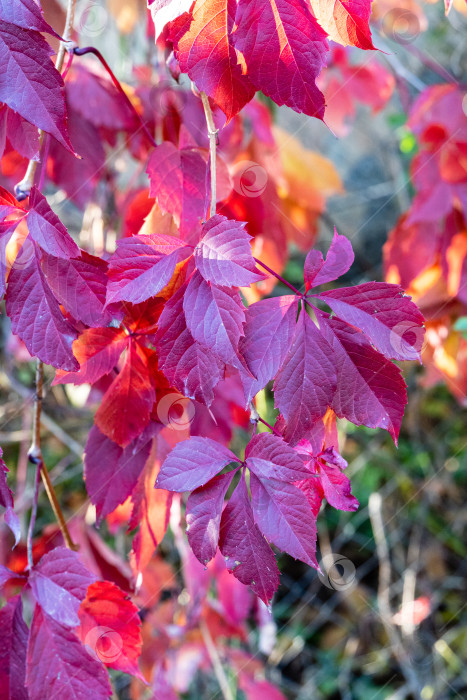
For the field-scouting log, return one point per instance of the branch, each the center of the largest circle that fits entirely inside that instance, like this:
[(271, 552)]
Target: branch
[(24, 187), (35, 457), (215, 661), (212, 133)]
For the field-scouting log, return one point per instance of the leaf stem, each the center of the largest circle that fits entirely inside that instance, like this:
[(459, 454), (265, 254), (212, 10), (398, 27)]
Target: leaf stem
[(212, 133), (116, 82), (24, 187), (281, 279), (35, 456)]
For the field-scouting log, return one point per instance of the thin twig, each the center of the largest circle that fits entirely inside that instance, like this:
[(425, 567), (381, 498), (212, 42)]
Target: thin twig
[(24, 187), (32, 519), (215, 661), (212, 133), (35, 456)]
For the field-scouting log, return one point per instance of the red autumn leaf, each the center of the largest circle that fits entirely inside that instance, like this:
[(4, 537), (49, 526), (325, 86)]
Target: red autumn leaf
[(59, 665), (338, 261), (97, 351), (248, 556), (215, 316), (188, 365), (390, 319), (126, 405), (269, 329), (165, 11), (306, 382), (178, 184), (36, 317), (203, 516), (110, 627), (285, 518), (110, 472), (26, 14), (151, 512), (30, 84), (80, 285), (329, 480), (13, 645), (59, 583), (192, 463), (47, 230), (345, 21), (269, 456), (142, 266), (284, 49), (223, 255), (204, 49)]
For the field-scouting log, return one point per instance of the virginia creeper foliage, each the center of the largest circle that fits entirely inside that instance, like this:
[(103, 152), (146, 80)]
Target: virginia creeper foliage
[(180, 308)]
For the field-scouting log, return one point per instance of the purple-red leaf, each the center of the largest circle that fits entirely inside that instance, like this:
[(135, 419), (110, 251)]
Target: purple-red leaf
[(59, 583), (36, 317), (338, 260), (223, 255), (204, 49), (142, 266), (29, 82), (390, 319), (6, 500), (178, 183), (26, 14), (188, 365), (215, 316), (13, 646), (269, 328), (110, 472), (370, 389), (270, 457), (285, 518), (192, 463), (203, 516), (248, 556), (47, 230), (284, 49), (305, 385), (80, 285), (59, 666)]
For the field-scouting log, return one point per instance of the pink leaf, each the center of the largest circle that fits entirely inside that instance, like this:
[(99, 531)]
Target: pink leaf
[(140, 269), (203, 516), (284, 48), (305, 385), (178, 183), (192, 463), (269, 329), (110, 472), (205, 50), (13, 645), (26, 14), (338, 260), (390, 319), (29, 83), (215, 317), (346, 21), (269, 456), (36, 317), (248, 556), (59, 666), (47, 230), (223, 255), (188, 365), (370, 389), (285, 518), (6, 500), (80, 285), (59, 583)]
